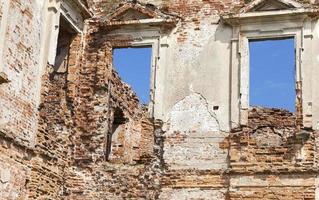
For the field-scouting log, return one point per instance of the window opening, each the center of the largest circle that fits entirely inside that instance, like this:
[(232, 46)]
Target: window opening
[(272, 73), (134, 67), (65, 38), (118, 120)]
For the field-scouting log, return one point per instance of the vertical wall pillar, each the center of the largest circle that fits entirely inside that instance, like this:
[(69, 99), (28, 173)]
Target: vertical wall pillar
[(235, 80)]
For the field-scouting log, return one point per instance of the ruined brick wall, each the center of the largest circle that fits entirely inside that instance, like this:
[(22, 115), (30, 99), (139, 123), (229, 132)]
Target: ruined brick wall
[(196, 159), (99, 93), (38, 172), (59, 149), (35, 124), (271, 158), (194, 163), (70, 126), (55, 129), (18, 118), (99, 90), (139, 179), (19, 97)]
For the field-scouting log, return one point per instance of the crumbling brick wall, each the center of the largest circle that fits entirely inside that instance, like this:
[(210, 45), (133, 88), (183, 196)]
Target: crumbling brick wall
[(55, 128), (19, 97), (42, 166), (61, 151), (99, 93), (272, 142), (18, 118), (271, 158)]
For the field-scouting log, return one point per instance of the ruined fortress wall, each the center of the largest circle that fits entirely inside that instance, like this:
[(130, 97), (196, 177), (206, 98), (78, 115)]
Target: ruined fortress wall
[(269, 158), (59, 148), (129, 172)]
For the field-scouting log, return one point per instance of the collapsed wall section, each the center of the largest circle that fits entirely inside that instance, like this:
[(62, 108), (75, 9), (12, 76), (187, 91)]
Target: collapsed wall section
[(193, 157), (271, 158), (112, 152)]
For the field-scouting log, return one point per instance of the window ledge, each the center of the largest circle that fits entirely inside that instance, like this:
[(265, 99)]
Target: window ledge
[(3, 78)]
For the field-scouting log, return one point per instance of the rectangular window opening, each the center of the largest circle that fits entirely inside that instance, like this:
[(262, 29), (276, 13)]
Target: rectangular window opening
[(133, 65), (118, 121), (65, 38), (272, 73)]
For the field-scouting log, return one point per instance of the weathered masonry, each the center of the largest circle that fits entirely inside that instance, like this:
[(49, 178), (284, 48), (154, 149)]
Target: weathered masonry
[(70, 128)]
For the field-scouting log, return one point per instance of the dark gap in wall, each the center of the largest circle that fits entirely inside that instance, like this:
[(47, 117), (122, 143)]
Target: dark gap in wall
[(272, 73), (118, 120), (133, 65), (65, 38)]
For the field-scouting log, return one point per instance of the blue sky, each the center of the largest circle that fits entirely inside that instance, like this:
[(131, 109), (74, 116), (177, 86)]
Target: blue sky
[(134, 67), (272, 74)]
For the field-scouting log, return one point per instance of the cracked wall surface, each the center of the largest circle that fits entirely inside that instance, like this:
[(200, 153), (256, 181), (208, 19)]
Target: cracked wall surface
[(80, 132), (192, 137)]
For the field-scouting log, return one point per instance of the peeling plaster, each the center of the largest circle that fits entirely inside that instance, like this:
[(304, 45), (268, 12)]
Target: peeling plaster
[(192, 114)]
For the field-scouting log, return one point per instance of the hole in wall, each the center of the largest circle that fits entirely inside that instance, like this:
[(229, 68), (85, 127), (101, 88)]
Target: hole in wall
[(65, 38), (272, 73), (134, 67), (118, 120)]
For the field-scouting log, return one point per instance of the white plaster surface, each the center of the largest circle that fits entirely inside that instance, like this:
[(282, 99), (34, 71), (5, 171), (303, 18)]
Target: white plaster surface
[(193, 137)]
